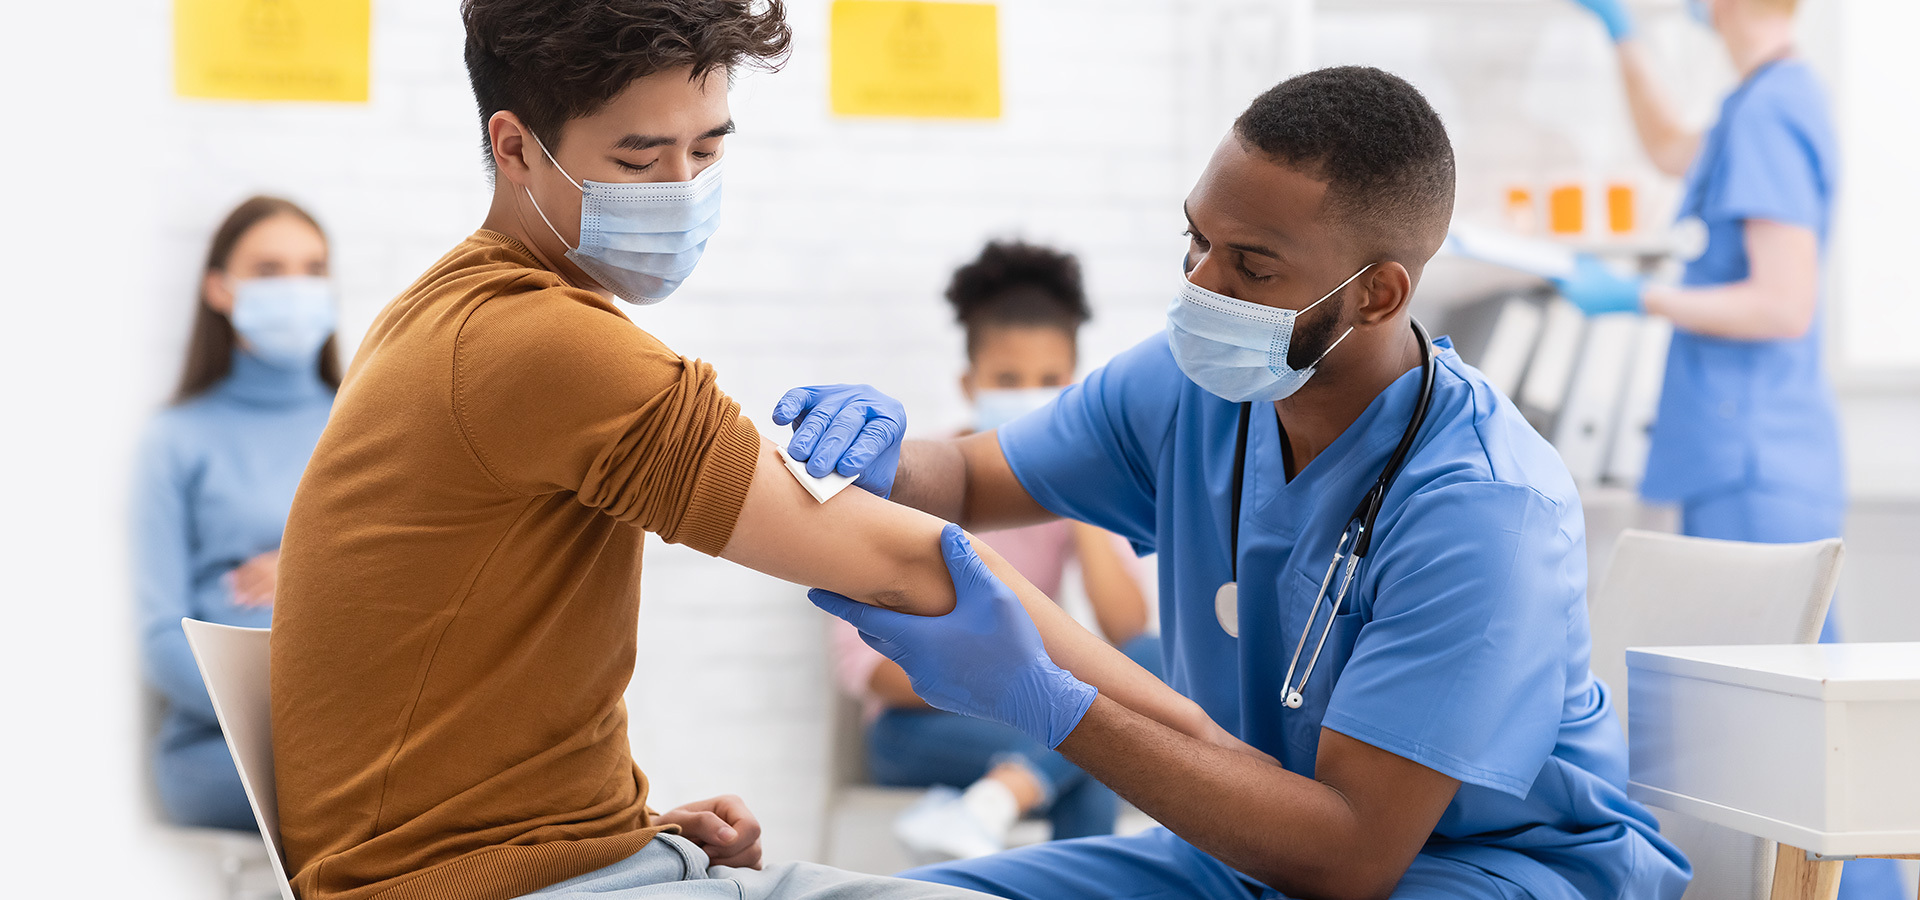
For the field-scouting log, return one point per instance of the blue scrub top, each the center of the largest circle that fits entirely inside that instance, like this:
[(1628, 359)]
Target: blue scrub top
[(1752, 413), (1463, 644)]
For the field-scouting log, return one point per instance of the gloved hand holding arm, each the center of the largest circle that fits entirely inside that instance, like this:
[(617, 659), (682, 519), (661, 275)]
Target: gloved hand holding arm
[(985, 659)]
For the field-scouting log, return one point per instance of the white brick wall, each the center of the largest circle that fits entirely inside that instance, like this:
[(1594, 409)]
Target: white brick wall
[(839, 238)]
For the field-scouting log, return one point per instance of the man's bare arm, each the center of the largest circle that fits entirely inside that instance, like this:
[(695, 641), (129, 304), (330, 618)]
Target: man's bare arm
[(966, 481), (888, 555), (1351, 833)]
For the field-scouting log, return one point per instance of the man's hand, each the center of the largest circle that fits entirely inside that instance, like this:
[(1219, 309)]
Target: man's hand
[(985, 659), (723, 827), (253, 581), (1612, 14), (851, 429)]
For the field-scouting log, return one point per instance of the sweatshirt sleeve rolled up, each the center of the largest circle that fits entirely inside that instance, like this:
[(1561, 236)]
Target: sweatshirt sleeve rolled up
[(554, 394)]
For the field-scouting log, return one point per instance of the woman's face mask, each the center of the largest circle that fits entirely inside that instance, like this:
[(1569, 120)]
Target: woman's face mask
[(284, 320), (640, 241)]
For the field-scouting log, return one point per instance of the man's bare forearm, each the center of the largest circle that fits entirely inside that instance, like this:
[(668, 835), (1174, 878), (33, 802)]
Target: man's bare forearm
[(1295, 834), (932, 478)]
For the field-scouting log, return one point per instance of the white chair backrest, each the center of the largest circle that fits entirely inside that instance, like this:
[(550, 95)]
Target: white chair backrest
[(1663, 590), (233, 663)]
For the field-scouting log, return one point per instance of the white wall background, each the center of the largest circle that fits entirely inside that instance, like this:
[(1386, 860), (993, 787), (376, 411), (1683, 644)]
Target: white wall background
[(840, 235)]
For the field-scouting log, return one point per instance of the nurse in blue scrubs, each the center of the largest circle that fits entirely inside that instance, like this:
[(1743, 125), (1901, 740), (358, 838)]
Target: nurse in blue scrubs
[(1746, 440), (1449, 740)]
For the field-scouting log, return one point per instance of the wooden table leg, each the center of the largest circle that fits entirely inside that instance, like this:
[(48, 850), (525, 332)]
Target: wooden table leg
[(1797, 878)]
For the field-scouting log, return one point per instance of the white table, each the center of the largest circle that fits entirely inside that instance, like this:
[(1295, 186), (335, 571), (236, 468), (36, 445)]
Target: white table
[(1810, 745)]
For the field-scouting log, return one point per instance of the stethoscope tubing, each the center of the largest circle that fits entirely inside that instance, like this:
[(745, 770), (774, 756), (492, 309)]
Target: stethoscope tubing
[(1355, 537)]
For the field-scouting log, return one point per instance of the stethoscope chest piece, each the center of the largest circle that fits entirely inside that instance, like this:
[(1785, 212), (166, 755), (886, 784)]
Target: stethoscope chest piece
[(1226, 608)]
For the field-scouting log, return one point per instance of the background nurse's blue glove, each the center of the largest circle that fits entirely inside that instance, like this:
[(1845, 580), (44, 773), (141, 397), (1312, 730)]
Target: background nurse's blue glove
[(985, 659), (1613, 14), (851, 429), (1597, 290)]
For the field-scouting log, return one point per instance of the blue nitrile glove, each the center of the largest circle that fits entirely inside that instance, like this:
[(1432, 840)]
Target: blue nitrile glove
[(985, 659), (1613, 14), (851, 429), (1597, 290)]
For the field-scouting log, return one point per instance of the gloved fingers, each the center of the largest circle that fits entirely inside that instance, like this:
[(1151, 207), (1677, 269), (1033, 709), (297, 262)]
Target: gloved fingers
[(880, 433), (794, 404), (837, 437), (806, 435), (872, 622), (970, 573)]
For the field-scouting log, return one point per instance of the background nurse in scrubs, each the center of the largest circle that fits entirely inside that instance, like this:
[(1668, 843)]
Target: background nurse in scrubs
[(1746, 440)]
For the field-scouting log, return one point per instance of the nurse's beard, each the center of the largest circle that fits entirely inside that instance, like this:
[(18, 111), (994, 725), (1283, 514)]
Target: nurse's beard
[(1311, 340)]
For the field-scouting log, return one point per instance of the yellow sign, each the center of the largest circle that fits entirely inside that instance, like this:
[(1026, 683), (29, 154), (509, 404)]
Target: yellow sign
[(271, 49), (914, 59)]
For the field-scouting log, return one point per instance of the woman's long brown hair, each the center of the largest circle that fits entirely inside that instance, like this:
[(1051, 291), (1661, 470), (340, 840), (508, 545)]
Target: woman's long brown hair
[(210, 349)]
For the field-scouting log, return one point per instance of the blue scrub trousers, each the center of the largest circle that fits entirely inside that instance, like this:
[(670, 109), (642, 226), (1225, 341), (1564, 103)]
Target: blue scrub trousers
[(1774, 516), (1157, 865)]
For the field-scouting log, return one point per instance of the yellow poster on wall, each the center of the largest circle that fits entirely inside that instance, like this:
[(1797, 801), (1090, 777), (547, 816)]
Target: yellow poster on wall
[(915, 59), (272, 49)]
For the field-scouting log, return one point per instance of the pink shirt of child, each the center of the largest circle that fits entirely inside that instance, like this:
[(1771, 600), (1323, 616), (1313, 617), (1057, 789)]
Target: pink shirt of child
[(1038, 552)]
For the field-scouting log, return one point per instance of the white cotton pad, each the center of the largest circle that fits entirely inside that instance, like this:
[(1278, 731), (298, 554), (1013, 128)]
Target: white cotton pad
[(822, 489)]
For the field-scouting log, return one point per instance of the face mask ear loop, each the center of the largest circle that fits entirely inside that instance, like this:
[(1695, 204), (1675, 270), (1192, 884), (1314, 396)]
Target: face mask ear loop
[(1343, 335), (563, 174), (1343, 285)]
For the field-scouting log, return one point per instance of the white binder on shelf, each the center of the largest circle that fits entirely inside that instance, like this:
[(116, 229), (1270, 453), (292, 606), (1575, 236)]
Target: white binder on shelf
[(1627, 461), (1544, 389), (1584, 432), (1516, 328)]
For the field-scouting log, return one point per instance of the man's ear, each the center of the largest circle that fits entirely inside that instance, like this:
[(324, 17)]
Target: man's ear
[(511, 143), (1389, 288)]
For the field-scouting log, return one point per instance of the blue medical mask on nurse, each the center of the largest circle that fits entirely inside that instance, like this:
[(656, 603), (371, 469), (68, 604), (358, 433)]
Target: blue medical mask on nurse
[(284, 321), (1238, 350), (640, 241)]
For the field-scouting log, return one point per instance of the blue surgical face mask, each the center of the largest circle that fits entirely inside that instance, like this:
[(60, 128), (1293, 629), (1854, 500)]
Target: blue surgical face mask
[(284, 321), (995, 407), (1238, 350), (640, 241)]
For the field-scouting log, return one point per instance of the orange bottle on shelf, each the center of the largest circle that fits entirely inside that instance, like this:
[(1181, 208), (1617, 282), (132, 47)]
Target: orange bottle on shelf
[(1620, 209), (1522, 216), (1567, 210)]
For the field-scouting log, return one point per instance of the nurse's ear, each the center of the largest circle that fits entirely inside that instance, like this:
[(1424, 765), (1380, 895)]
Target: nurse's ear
[(1386, 289)]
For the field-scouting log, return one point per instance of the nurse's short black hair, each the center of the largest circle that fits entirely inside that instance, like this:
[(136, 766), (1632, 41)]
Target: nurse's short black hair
[(551, 61), (1374, 140)]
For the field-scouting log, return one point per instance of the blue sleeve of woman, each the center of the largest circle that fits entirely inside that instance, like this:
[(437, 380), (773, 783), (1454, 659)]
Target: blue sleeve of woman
[(162, 571)]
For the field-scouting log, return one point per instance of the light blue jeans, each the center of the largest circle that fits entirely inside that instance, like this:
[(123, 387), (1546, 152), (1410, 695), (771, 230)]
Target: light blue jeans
[(672, 867)]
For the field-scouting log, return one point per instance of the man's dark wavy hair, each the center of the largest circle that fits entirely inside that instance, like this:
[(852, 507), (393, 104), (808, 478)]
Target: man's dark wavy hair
[(551, 61)]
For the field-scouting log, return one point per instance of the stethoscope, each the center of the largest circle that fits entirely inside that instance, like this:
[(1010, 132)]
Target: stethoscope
[(1355, 540)]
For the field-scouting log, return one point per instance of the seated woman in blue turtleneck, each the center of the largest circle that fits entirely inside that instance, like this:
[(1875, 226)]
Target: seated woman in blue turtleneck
[(217, 474)]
